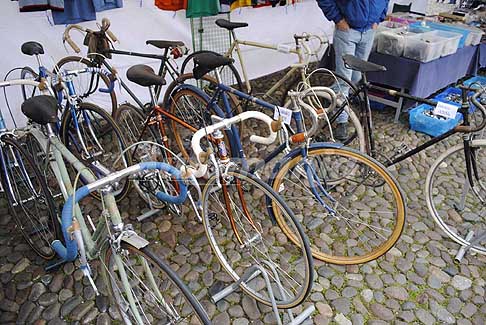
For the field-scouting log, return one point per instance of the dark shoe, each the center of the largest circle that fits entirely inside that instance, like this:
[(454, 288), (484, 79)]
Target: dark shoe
[(341, 132)]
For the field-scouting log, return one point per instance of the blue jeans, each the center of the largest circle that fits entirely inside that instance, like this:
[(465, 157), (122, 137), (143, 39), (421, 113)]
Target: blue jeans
[(355, 43)]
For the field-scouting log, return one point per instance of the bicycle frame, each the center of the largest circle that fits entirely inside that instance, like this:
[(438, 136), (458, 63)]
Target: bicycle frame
[(235, 46)]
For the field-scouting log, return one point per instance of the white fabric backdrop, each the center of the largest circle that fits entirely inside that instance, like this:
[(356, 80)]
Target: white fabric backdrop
[(139, 21)]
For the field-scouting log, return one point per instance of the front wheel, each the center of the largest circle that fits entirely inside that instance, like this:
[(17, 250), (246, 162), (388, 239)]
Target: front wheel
[(457, 208), (349, 205), (147, 291), (242, 234)]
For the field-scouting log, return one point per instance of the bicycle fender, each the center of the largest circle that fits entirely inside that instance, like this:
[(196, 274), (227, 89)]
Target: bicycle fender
[(135, 240)]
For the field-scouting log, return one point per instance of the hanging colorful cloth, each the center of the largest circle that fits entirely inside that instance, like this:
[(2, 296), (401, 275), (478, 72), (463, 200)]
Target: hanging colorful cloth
[(41, 5), (202, 8), (101, 5), (75, 11), (237, 3), (172, 5)]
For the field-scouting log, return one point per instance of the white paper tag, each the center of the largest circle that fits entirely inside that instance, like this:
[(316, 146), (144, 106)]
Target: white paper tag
[(446, 110), (283, 112)]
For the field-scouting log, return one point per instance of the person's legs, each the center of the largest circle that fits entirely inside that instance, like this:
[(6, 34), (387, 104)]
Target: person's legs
[(363, 50), (344, 43)]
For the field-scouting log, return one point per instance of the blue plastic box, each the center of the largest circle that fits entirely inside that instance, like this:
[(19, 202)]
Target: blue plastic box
[(475, 82), (443, 97), (428, 124)]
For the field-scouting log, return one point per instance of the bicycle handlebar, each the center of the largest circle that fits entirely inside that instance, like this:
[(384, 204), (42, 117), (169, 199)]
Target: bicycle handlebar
[(105, 25), (481, 108), (69, 252), (201, 170)]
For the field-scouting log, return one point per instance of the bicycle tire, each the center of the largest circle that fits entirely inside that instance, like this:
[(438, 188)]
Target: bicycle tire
[(356, 134), (232, 74), (324, 229), (132, 123), (24, 184), (85, 84), (159, 268), (68, 132), (183, 108), (29, 73), (454, 218), (267, 242)]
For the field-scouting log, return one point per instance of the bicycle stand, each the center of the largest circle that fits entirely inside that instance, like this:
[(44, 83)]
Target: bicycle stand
[(464, 248), (251, 273), (151, 212)]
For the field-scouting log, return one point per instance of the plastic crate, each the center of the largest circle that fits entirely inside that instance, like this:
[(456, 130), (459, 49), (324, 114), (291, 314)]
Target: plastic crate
[(475, 34), (431, 125), (424, 47), (392, 43), (453, 96), (475, 82), (465, 39), (452, 44)]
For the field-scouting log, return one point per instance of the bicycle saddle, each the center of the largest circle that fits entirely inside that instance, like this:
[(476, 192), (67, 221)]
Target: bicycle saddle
[(357, 64), (144, 75), (41, 109), (161, 44), (206, 62), (32, 48), (223, 23)]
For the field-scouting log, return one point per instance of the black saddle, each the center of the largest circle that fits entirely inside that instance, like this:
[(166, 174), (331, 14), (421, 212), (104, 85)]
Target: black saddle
[(41, 109), (223, 23), (164, 44), (208, 61), (357, 64), (144, 75), (32, 48)]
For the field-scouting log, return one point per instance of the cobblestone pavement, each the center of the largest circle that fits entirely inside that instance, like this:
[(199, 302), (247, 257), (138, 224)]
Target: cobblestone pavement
[(415, 282)]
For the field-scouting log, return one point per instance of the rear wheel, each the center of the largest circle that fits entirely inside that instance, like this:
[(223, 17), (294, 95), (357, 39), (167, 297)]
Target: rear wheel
[(134, 127), (29, 91), (29, 198), (159, 295), (93, 136)]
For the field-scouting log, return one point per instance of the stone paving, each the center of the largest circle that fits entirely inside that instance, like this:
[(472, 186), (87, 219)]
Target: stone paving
[(415, 282)]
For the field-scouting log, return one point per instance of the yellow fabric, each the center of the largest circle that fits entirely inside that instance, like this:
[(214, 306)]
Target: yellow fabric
[(240, 3)]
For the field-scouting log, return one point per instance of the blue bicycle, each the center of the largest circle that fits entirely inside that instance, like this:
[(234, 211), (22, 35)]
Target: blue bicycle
[(351, 207)]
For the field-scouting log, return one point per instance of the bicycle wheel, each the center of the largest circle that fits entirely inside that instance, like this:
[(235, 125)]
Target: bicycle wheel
[(190, 107), (29, 198), (237, 221), (95, 139), (457, 208), (159, 295), (229, 74), (38, 154), (29, 91), (350, 103), (362, 212), (87, 84), (133, 126)]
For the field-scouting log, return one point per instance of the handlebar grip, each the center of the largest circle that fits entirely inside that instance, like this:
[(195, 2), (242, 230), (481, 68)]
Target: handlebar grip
[(112, 36), (481, 108), (174, 199)]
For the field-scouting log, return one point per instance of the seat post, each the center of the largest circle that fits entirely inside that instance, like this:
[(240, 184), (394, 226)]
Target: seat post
[(152, 96), (218, 76)]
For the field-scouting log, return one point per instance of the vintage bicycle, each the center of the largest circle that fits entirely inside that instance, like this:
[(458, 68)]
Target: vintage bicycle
[(142, 286)]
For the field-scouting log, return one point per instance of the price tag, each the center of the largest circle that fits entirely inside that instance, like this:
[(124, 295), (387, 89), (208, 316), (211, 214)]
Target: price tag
[(283, 112), (446, 110)]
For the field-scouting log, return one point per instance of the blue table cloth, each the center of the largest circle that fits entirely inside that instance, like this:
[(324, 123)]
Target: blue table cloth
[(482, 55), (424, 79)]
